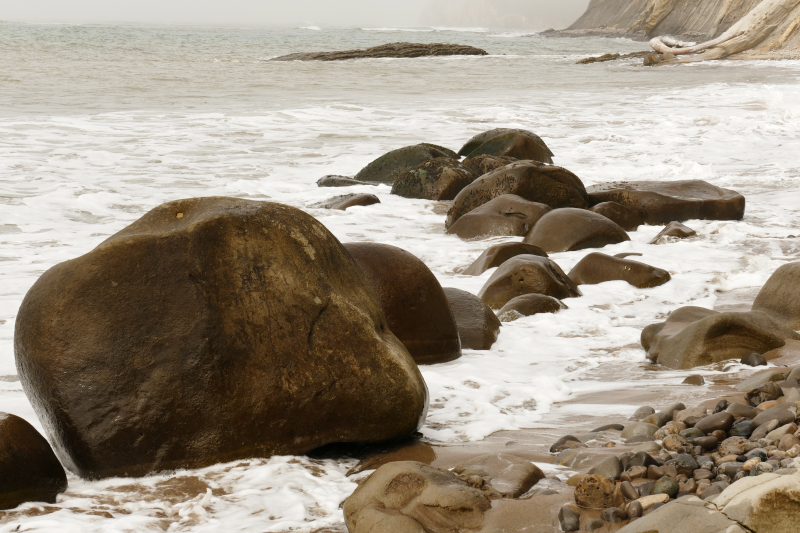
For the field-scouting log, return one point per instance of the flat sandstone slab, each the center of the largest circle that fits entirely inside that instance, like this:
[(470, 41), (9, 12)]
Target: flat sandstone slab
[(388, 50)]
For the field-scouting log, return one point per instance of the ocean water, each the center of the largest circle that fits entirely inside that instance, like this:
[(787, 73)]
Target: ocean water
[(99, 124)]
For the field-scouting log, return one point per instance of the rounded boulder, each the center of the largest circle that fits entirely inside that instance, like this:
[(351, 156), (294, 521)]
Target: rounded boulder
[(529, 304), (568, 229), (509, 142), (478, 326), (625, 217), (388, 167), (597, 268), (526, 274), (438, 179), (506, 215), (496, 255)]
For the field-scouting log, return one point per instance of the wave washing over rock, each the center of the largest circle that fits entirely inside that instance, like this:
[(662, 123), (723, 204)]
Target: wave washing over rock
[(397, 50)]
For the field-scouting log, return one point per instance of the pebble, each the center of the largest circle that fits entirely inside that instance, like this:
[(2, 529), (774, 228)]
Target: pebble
[(692, 433), (702, 473), (574, 480), (654, 472), (642, 412), (647, 447), (685, 463), (754, 359), (673, 443), (722, 421), (614, 515), (750, 464), (594, 525), (690, 486), (648, 501), (568, 518), (707, 443), (666, 485), (609, 467), (628, 490), (615, 427), (646, 489), (564, 443), (635, 509)]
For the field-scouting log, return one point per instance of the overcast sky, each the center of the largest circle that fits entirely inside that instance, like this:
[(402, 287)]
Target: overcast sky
[(297, 12)]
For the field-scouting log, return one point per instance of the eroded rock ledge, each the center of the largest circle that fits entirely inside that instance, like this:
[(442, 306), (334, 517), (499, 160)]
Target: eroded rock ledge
[(388, 50)]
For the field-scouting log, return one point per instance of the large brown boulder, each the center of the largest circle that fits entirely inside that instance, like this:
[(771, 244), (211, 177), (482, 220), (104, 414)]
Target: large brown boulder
[(506, 215), (526, 274), (625, 217), (478, 326), (415, 305), (694, 336), (780, 295), (568, 229), (597, 268), (411, 497), (483, 164), (496, 255), (661, 202), (388, 167), (527, 305), (535, 182), (438, 179), (29, 470), (508, 142), (210, 330)]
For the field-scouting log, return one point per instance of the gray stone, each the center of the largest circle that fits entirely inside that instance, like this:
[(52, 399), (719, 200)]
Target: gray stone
[(692, 433), (339, 181), (613, 515), (508, 474), (569, 519), (720, 421), (763, 429), (648, 447), (609, 467), (638, 429), (783, 413), (666, 485), (739, 410), (642, 412), (753, 382)]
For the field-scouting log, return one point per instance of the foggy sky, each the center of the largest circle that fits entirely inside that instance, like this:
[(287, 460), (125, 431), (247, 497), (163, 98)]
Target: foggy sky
[(484, 13)]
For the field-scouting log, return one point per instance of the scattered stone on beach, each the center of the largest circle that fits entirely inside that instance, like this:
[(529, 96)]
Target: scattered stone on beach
[(536, 182), (344, 201), (624, 217), (597, 492), (666, 485), (568, 229), (780, 295), (565, 443), (529, 304), (719, 421), (611, 57), (483, 164), (569, 518), (635, 429), (224, 264), (757, 380), (507, 142), (478, 326), (339, 181), (767, 392), (694, 336), (507, 474), (642, 413), (506, 215), (526, 274), (694, 379), (609, 468), (396, 50), (388, 167), (412, 497), (415, 305), (783, 413), (597, 267), (674, 230), (497, 254), (437, 179), (661, 202), (29, 470), (754, 359)]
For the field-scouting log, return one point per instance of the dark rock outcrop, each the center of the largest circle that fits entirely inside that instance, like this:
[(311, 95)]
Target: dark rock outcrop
[(344, 201), (780, 295), (483, 164), (210, 330), (529, 304), (506, 215), (411, 497), (625, 217), (674, 230), (470, 149), (519, 145), (496, 255), (568, 229), (478, 326), (693, 336), (29, 470), (598, 268), (661, 202), (388, 167), (550, 185), (438, 179), (526, 274), (339, 181), (399, 50), (415, 305)]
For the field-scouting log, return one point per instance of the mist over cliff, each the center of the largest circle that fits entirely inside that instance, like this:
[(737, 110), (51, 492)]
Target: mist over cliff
[(509, 14)]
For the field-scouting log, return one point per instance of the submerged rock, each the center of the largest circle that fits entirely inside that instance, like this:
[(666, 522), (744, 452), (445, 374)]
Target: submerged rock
[(501, 141), (416, 307), (411, 497), (478, 326), (29, 470), (661, 202), (496, 255), (780, 295), (506, 215), (388, 167), (535, 182), (526, 274), (598, 268), (529, 304), (568, 229), (344, 201), (399, 50), (151, 351), (625, 217), (339, 181), (675, 230), (438, 179)]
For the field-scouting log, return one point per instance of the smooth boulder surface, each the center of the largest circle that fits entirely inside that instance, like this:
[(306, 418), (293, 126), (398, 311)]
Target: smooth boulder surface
[(598, 268), (210, 330), (545, 184), (517, 145), (526, 274), (780, 295), (388, 167), (676, 230), (29, 470), (625, 217), (416, 307), (483, 164), (398, 50), (471, 148), (568, 229), (661, 202), (506, 215), (339, 181), (509, 475), (527, 305), (698, 337), (344, 201), (478, 326), (496, 255), (438, 179), (412, 497)]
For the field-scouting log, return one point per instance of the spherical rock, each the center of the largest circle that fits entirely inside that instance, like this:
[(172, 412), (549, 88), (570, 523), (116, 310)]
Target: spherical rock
[(597, 268), (595, 492), (642, 413), (568, 229), (527, 274), (211, 329), (506, 215), (29, 470), (694, 379), (666, 485), (754, 359), (415, 305), (508, 142), (529, 304), (437, 179), (478, 326)]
